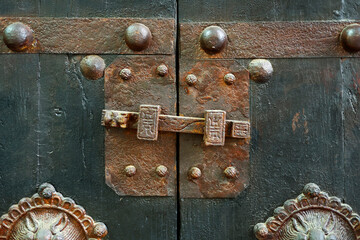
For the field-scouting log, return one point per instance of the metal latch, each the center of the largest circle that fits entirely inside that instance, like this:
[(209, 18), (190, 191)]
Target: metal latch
[(148, 121)]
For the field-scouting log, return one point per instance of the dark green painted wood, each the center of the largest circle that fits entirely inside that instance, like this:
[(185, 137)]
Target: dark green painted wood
[(266, 10), (351, 91), (19, 127), (51, 132)]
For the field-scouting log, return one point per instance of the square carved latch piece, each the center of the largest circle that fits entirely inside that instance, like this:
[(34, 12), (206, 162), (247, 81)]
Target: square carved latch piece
[(214, 128), (148, 124)]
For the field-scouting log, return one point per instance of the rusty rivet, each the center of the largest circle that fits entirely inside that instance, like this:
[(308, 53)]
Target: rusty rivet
[(161, 171), (213, 39), (231, 172), (311, 190), (92, 67), (125, 74), (229, 78), (138, 37), (195, 172), (260, 70), (46, 190), (162, 70), (191, 79), (100, 230), (350, 38), (18, 37), (130, 170)]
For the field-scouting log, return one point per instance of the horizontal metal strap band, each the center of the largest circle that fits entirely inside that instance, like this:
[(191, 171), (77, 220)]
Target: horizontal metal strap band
[(91, 35), (269, 40), (169, 123)]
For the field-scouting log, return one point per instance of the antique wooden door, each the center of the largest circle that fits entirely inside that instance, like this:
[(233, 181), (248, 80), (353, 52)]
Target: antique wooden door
[(179, 119)]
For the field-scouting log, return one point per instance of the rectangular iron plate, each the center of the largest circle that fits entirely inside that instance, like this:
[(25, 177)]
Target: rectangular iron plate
[(211, 92), (122, 147), (269, 40), (92, 35)]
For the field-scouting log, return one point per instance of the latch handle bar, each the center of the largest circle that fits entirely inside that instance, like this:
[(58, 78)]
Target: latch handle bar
[(148, 121)]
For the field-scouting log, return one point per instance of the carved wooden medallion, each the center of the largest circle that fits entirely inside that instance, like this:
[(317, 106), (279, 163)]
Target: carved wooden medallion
[(313, 215), (47, 215)]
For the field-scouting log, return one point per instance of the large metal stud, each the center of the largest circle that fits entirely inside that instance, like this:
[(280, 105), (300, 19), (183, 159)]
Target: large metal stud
[(18, 37), (138, 37), (92, 67), (350, 38), (213, 39), (260, 70)]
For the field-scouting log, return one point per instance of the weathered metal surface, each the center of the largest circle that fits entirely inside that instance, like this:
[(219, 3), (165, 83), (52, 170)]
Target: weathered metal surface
[(92, 35), (122, 148), (312, 215), (168, 123), (268, 40), (18, 37), (211, 92), (260, 70), (350, 38), (92, 67), (49, 215)]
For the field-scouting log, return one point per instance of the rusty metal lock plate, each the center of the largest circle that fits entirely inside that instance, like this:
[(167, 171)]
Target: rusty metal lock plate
[(138, 167), (213, 171)]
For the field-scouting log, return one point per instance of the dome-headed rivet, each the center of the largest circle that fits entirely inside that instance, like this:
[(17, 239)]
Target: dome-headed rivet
[(138, 37), (260, 70), (162, 70), (161, 171), (231, 172), (213, 39), (350, 38), (130, 170), (311, 190), (195, 172), (229, 79), (46, 190), (191, 79), (125, 74), (100, 230), (92, 67), (18, 37)]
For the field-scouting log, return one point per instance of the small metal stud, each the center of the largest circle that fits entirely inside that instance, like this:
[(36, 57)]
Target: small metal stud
[(100, 230), (46, 190), (311, 190), (231, 172), (92, 67), (18, 37), (125, 74), (191, 79), (161, 171), (162, 70), (260, 70), (229, 78), (213, 39), (130, 170), (350, 38), (138, 37), (195, 173)]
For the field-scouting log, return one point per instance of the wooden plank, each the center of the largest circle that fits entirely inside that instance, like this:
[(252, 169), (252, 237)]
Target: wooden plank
[(351, 103), (296, 138), (265, 10), (19, 127)]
